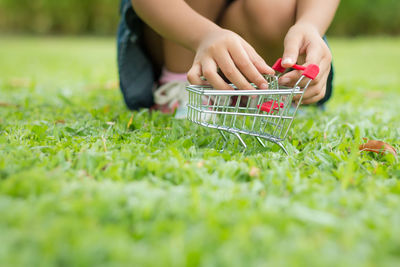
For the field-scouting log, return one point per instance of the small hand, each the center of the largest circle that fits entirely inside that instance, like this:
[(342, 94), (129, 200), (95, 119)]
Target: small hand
[(304, 39), (236, 59)]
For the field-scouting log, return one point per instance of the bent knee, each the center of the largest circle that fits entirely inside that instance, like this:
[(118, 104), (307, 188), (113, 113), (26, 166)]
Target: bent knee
[(210, 9), (270, 19)]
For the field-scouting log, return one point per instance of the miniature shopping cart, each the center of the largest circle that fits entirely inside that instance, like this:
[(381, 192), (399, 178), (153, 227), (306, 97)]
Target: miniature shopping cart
[(263, 114)]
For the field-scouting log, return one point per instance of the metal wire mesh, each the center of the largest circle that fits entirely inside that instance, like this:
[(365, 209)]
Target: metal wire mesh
[(264, 114)]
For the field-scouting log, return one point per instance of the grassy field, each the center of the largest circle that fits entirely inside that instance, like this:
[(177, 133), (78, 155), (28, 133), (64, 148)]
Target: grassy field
[(78, 187)]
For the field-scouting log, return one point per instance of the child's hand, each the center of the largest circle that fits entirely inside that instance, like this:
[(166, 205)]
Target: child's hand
[(305, 39), (237, 60)]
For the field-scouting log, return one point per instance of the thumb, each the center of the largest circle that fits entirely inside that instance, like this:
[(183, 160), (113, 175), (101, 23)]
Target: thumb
[(291, 45)]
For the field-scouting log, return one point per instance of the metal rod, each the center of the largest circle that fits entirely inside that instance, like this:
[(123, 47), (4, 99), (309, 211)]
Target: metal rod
[(242, 114), (225, 139), (240, 139), (260, 141)]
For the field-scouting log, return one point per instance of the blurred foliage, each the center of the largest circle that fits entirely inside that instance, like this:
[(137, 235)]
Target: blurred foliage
[(61, 16), (82, 186), (354, 17)]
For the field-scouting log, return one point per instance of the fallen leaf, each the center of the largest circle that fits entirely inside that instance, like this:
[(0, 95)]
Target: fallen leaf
[(130, 122), (84, 174), (104, 143), (59, 122), (254, 172), (20, 82), (4, 104), (379, 147), (374, 94), (106, 109), (200, 164), (111, 85), (105, 167)]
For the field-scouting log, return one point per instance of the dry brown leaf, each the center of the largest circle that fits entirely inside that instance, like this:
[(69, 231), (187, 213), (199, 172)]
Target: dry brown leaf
[(60, 121), (105, 167), (374, 94), (130, 122), (5, 104), (84, 174), (20, 82), (111, 85), (200, 164), (106, 109), (379, 147), (254, 172), (104, 143)]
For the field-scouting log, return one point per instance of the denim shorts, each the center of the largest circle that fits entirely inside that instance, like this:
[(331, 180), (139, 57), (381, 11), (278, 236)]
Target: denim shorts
[(137, 73)]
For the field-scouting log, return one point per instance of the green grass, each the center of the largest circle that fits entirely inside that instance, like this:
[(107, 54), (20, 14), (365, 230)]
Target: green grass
[(79, 188)]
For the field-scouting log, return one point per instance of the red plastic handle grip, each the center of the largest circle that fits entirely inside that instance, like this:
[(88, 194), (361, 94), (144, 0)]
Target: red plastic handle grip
[(311, 71)]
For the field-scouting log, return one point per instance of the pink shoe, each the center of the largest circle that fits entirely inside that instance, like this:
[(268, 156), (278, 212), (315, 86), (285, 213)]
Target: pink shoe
[(172, 97)]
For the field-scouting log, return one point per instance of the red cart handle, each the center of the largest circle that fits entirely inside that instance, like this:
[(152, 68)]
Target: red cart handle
[(311, 71)]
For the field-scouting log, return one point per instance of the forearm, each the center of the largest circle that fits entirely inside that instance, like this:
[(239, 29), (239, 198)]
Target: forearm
[(318, 13), (174, 20)]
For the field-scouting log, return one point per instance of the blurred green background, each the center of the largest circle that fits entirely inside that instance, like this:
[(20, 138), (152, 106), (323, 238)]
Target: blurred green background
[(100, 17)]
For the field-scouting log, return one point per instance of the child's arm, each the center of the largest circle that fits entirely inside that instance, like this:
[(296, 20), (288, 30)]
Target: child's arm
[(215, 47), (175, 20), (313, 18)]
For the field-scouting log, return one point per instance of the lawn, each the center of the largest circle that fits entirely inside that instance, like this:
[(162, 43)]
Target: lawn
[(81, 186)]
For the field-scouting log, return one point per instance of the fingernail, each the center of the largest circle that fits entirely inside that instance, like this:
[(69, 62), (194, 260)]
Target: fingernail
[(287, 61), (284, 80), (264, 86)]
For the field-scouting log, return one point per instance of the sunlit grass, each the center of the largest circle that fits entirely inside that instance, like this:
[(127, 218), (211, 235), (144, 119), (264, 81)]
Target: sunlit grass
[(80, 187)]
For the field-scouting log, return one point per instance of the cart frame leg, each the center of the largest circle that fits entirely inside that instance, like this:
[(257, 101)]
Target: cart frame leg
[(261, 142), (225, 139), (241, 140), (283, 147), (275, 142)]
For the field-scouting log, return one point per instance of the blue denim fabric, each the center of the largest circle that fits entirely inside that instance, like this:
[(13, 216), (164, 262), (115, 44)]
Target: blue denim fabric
[(135, 68), (329, 83)]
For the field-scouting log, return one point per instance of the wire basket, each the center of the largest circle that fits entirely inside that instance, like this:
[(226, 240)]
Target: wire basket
[(263, 114)]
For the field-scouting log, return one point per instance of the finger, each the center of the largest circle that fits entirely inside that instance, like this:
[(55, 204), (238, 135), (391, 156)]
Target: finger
[(290, 78), (228, 67), (209, 68), (194, 74), (315, 98), (325, 66), (317, 52), (310, 92), (257, 60), (246, 67), (314, 57), (292, 44), (314, 54), (314, 90)]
